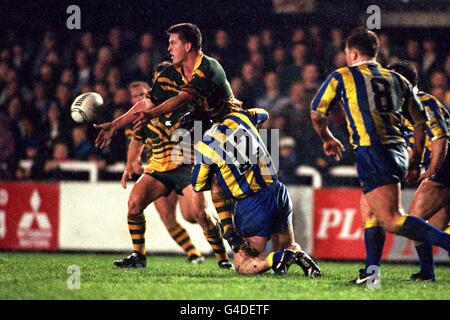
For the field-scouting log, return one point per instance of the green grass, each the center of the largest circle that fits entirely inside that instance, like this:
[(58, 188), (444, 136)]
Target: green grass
[(44, 276)]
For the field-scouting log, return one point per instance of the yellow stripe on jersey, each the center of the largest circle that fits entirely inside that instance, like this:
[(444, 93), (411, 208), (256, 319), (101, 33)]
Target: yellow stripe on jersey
[(167, 80), (169, 88), (238, 177), (354, 109)]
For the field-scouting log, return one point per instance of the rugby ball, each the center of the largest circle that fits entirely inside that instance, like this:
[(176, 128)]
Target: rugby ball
[(86, 107)]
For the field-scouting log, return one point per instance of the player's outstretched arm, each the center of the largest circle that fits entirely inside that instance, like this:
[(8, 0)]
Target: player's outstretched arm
[(109, 129), (331, 146), (142, 117), (133, 156)]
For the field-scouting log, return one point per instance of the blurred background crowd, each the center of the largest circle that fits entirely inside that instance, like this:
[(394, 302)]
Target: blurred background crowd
[(40, 77)]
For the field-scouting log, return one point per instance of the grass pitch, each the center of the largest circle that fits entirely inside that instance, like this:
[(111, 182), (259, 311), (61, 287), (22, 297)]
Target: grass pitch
[(44, 276)]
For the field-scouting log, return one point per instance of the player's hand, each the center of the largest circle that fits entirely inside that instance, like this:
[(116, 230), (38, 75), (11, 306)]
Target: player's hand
[(413, 173), (136, 167), (427, 175), (104, 137), (143, 117), (333, 148), (127, 175)]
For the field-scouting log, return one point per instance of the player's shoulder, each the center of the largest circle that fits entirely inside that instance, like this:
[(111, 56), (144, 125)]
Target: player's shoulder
[(169, 74), (425, 96), (340, 73), (210, 65)]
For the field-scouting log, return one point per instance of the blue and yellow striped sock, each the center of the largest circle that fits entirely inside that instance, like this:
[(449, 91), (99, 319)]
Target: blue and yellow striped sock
[(418, 229)]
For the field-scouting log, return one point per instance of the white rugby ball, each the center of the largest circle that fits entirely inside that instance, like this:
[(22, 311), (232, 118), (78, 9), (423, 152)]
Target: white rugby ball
[(86, 107)]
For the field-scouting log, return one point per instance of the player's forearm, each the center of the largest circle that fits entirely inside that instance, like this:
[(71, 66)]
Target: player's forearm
[(419, 143), (439, 149), (128, 117), (320, 125), (170, 105), (134, 151)]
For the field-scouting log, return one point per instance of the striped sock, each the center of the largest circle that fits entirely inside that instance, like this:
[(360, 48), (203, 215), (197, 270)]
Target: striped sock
[(136, 225), (224, 208), (182, 238), (214, 238)]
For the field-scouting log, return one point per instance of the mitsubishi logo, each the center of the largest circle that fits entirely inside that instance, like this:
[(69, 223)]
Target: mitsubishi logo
[(34, 228)]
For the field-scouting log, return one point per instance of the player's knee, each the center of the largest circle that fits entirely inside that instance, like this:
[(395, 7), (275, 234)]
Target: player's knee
[(389, 224), (201, 216), (168, 220), (188, 216), (135, 204)]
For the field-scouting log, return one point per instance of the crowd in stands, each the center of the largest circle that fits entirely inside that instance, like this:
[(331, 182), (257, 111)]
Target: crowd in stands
[(39, 78)]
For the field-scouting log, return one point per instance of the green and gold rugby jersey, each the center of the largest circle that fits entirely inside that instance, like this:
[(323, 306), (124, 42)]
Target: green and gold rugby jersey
[(167, 153), (210, 88)]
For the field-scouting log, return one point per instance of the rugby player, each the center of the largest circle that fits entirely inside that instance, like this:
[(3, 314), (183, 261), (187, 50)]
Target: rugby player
[(432, 199), (165, 206), (374, 99), (232, 153), (166, 172), (207, 89)]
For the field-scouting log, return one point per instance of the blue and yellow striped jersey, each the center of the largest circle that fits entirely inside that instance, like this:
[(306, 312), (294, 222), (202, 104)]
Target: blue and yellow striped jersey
[(235, 152), (374, 99), (437, 126)]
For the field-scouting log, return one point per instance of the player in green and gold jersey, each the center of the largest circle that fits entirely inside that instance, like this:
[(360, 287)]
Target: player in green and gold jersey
[(166, 172), (141, 146)]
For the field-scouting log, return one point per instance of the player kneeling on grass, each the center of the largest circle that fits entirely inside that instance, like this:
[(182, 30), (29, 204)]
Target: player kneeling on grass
[(233, 157)]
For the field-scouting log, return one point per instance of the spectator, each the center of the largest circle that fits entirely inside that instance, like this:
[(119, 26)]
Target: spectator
[(293, 71), (82, 148), (253, 87), (310, 79), (222, 49), (288, 161), (143, 71), (9, 146), (55, 128), (273, 100), (84, 73), (335, 46), (429, 58), (51, 169)]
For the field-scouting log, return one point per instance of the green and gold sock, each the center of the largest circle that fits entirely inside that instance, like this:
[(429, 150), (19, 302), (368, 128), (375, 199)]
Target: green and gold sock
[(182, 238), (136, 225), (214, 238), (224, 208)]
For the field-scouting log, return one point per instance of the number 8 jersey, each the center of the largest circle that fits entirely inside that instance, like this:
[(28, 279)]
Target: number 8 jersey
[(374, 99), (234, 150)]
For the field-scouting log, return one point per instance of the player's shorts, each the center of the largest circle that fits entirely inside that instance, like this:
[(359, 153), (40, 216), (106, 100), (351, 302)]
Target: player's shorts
[(380, 165), (442, 176), (264, 213), (176, 179)]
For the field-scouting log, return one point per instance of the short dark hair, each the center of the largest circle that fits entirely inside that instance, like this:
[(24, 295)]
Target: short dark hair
[(188, 32), (406, 69), (161, 66), (363, 40)]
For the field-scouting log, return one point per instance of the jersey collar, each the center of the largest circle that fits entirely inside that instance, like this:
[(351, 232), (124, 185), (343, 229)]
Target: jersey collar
[(198, 61), (365, 62)]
